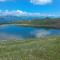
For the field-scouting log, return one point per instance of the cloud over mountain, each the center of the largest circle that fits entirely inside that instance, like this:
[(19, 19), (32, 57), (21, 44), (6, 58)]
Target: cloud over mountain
[(22, 13)]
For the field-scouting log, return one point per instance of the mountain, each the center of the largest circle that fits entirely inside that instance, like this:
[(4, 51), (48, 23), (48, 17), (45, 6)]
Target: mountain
[(9, 18)]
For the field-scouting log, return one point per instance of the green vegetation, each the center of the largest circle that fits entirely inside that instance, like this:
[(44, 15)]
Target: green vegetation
[(31, 49), (44, 23)]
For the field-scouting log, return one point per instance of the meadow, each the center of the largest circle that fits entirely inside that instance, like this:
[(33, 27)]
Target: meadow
[(46, 48)]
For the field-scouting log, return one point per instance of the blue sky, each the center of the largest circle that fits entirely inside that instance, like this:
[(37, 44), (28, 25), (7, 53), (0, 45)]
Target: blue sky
[(30, 7)]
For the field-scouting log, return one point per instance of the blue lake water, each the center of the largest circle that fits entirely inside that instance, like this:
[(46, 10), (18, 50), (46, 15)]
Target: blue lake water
[(18, 32)]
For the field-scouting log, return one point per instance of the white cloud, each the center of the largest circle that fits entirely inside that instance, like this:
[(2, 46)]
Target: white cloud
[(23, 13), (41, 2)]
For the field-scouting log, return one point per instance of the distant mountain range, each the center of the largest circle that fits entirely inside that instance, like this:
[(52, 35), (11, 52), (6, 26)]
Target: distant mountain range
[(11, 18), (5, 19)]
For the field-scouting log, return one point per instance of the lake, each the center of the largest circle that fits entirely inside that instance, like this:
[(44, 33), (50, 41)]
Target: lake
[(19, 32)]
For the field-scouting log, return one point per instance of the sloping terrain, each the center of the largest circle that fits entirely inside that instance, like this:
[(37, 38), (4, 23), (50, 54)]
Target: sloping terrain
[(31, 49)]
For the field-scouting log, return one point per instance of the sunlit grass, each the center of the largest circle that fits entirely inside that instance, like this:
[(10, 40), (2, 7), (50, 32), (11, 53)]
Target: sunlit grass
[(33, 49)]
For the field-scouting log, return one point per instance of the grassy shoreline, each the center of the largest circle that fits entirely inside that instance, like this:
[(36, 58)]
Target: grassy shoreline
[(33, 49), (35, 26)]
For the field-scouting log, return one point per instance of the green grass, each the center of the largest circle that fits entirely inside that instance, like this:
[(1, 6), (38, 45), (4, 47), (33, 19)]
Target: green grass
[(33, 49)]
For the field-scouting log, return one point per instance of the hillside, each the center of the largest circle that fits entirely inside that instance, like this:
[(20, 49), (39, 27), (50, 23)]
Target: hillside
[(43, 22), (46, 23), (31, 49)]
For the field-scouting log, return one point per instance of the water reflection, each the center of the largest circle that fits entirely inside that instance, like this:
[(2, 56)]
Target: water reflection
[(15, 32)]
